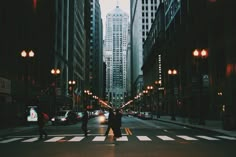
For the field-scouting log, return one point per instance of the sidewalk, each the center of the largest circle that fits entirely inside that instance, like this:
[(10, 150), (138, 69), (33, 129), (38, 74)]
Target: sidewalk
[(210, 125)]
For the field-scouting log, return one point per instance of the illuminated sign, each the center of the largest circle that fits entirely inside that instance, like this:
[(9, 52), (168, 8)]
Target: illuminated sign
[(32, 115)]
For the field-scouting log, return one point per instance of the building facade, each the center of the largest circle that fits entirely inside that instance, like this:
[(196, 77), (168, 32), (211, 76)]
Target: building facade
[(54, 31), (142, 14), (116, 41), (197, 76)]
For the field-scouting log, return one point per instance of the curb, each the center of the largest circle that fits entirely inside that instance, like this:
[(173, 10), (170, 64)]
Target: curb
[(204, 128)]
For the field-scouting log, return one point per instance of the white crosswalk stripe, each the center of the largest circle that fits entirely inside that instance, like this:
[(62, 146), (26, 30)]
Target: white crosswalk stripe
[(188, 138), (207, 137), (227, 137), (123, 138), (31, 139), (166, 138), (54, 139), (76, 139), (10, 140), (97, 138), (144, 138)]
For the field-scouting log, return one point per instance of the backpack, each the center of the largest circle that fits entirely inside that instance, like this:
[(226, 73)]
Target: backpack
[(45, 117)]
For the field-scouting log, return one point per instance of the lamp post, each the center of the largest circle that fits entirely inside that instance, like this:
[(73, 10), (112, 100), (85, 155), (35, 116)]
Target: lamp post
[(172, 73), (199, 56), (150, 90), (71, 90), (55, 72), (158, 104), (26, 55)]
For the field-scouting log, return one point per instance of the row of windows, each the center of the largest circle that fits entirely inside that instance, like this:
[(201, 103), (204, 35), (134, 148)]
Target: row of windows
[(146, 1), (152, 8)]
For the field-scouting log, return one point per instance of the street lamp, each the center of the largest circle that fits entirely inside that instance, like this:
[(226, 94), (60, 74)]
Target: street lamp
[(150, 91), (55, 72), (71, 90), (26, 55), (158, 104), (172, 73), (199, 57)]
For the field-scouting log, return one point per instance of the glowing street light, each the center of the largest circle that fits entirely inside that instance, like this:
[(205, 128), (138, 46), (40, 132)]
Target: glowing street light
[(55, 71)]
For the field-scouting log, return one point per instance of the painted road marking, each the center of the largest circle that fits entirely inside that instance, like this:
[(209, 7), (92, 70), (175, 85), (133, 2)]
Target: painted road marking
[(207, 138), (99, 138), (227, 137), (128, 132), (10, 140), (76, 139), (123, 138), (31, 139), (144, 138), (187, 138), (54, 139), (166, 138)]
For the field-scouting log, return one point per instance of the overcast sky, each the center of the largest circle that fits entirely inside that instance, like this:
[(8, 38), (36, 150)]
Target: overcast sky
[(109, 5)]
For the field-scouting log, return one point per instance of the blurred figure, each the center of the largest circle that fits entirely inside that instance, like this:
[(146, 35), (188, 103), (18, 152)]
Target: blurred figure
[(117, 124), (111, 120), (42, 120), (85, 123)]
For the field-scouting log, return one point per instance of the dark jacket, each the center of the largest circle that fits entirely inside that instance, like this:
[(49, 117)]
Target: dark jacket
[(111, 118), (118, 118), (85, 117)]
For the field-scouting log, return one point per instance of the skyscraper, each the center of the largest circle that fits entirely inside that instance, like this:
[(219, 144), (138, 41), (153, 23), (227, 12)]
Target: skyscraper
[(142, 17), (116, 40)]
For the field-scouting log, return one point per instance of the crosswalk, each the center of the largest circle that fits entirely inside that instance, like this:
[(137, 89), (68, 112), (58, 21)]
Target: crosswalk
[(100, 138)]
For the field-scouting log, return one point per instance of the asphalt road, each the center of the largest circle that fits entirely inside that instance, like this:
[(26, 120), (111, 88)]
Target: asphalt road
[(141, 138)]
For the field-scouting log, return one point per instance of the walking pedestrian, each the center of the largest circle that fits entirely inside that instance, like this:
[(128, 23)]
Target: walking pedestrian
[(117, 125), (42, 120), (84, 126), (110, 124)]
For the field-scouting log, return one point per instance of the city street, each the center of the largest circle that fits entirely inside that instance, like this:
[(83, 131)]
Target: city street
[(141, 138)]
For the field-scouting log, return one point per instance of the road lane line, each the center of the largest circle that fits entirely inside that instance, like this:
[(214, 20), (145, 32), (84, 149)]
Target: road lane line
[(208, 138), (126, 131), (227, 137), (144, 138), (99, 138), (187, 138), (130, 133), (31, 139), (76, 139), (10, 140), (54, 139), (166, 138), (123, 138)]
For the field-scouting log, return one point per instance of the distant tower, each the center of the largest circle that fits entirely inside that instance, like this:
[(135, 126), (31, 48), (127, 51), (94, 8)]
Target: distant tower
[(116, 40)]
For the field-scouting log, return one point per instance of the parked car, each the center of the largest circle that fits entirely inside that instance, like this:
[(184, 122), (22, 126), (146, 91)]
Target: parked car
[(145, 115), (64, 117)]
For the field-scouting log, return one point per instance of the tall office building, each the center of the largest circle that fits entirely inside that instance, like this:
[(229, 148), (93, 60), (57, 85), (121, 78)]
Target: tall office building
[(142, 15), (96, 53), (116, 40)]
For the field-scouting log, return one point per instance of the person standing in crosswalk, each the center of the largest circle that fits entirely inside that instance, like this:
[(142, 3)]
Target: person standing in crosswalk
[(41, 124), (117, 124), (111, 121), (85, 123)]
